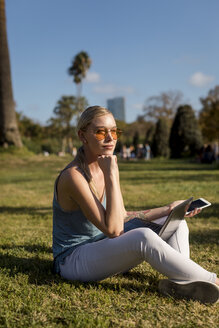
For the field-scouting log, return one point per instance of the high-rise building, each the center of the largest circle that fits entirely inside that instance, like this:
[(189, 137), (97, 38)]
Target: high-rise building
[(117, 107)]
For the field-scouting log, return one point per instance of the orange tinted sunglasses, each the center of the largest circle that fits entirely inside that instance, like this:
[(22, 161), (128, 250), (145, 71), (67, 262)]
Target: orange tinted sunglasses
[(101, 133)]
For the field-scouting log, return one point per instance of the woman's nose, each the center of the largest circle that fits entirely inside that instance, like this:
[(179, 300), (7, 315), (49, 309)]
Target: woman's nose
[(109, 136)]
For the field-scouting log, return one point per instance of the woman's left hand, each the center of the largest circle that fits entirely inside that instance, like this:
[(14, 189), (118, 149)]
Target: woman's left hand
[(191, 214)]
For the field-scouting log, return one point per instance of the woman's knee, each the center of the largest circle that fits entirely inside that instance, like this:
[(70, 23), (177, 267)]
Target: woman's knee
[(184, 226), (145, 236), (145, 243), (145, 233)]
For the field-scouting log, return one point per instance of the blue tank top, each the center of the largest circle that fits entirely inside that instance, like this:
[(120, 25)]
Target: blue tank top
[(70, 229)]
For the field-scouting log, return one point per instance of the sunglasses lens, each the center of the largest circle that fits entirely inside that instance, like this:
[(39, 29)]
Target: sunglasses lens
[(116, 134), (100, 134)]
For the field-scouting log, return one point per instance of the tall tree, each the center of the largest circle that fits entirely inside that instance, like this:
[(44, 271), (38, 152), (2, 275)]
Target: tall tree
[(163, 105), (80, 65), (160, 145), (185, 135), (209, 115), (135, 141), (61, 125), (149, 135), (9, 134)]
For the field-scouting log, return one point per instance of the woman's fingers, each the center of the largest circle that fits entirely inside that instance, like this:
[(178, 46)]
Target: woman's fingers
[(107, 162), (193, 213)]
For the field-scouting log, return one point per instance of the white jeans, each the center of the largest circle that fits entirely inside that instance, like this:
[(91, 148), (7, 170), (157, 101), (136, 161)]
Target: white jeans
[(110, 256)]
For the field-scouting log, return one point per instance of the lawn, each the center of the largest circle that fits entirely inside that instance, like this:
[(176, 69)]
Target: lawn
[(31, 296)]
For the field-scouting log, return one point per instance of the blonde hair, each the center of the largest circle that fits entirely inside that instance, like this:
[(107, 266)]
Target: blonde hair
[(89, 114), (84, 121)]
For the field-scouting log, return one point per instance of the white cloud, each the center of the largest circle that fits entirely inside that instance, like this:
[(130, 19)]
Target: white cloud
[(113, 89), (199, 79), (92, 77)]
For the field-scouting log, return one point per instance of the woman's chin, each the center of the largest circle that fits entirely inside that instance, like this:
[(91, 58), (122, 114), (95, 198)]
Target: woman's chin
[(108, 151)]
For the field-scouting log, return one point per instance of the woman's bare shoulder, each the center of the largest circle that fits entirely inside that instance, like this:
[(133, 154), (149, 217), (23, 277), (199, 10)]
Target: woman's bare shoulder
[(72, 174), (70, 188)]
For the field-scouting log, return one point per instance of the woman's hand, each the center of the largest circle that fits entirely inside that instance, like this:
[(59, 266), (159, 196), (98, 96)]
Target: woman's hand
[(191, 214), (174, 204), (108, 163)]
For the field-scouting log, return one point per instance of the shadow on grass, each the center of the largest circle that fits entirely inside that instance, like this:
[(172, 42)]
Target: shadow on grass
[(24, 180), (29, 248), (204, 237), (39, 272), (211, 211), (147, 178), (25, 210), (164, 166), (131, 281)]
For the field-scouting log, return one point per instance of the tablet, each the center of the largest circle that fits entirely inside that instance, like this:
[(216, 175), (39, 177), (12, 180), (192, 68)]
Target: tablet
[(174, 218), (198, 203)]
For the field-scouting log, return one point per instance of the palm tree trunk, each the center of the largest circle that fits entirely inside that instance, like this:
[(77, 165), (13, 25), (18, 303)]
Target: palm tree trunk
[(9, 134)]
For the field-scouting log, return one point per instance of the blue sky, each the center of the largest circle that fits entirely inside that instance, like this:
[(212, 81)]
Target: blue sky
[(139, 48)]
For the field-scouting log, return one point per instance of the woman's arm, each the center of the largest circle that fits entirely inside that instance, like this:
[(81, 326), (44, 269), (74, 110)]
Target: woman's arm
[(74, 187), (115, 211), (156, 213), (148, 215)]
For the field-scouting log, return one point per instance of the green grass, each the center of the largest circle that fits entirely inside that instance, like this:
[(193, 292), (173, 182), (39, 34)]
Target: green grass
[(31, 296)]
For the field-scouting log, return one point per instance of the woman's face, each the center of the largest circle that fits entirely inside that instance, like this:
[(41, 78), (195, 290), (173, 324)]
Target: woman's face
[(99, 135)]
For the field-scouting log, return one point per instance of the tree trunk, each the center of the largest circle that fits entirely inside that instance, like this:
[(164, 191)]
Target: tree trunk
[(64, 143), (9, 134)]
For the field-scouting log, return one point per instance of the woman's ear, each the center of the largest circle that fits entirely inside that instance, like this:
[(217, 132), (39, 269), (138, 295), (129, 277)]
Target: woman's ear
[(82, 136)]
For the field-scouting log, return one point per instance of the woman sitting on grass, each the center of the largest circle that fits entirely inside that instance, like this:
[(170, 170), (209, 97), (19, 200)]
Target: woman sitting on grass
[(93, 235)]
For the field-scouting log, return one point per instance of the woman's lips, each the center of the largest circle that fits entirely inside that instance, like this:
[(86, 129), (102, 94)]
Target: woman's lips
[(108, 147)]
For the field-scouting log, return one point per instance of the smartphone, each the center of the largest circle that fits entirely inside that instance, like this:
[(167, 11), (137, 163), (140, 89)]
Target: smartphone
[(198, 203)]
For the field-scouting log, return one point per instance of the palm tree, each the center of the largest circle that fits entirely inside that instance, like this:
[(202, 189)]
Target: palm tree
[(9, 134), (80, 65)]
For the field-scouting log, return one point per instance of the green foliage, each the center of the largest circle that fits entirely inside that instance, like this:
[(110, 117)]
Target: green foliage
[(135, 140), (149, 136), (80, 64), (28, 127), (160, 145), (32, 144), (185, 135), (15, 152), (209, 115), (31, 296), (66, 114)]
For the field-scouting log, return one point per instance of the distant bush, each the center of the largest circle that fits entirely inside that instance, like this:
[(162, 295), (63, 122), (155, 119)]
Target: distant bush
[(185, 135), (13, 150), (160, 144)]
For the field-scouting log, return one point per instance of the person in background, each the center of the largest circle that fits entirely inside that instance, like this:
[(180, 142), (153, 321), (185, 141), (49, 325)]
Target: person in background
[(147, 152), (94, 237)]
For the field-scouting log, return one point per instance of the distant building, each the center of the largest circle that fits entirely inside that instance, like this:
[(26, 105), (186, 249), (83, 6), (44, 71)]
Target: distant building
[(117, 107)]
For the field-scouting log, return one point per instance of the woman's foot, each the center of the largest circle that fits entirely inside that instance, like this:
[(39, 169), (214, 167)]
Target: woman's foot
[(202, 291)]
